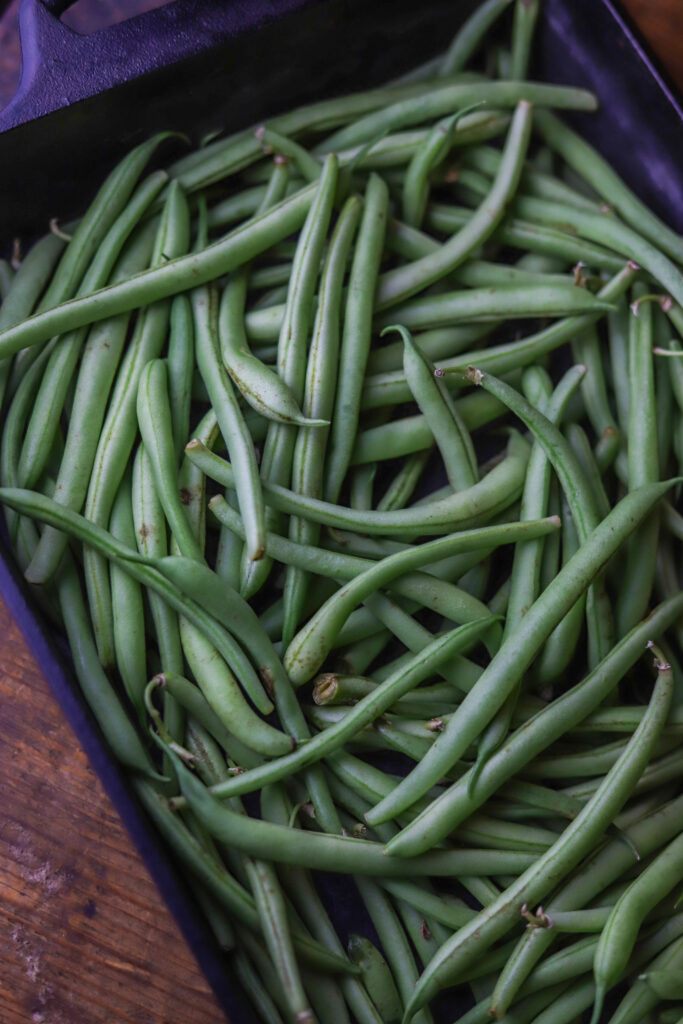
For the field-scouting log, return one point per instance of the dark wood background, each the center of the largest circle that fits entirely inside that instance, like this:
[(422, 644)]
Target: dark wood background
[(84, 935)]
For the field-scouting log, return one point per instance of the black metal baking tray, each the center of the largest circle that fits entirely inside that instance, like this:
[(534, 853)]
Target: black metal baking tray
[(195, 65)]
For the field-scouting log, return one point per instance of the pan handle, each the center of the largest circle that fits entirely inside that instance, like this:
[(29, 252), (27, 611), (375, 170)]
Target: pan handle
[(61, 67)]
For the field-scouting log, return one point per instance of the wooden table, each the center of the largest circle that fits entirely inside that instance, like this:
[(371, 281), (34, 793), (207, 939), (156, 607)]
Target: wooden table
[(84, 937)]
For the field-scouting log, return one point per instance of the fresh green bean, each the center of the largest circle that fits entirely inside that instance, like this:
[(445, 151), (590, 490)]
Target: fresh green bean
[(595, 170), (494, 493), (319, 394), (278, 450), (442, 99), (620, 932), (178, 274), (403, 282), (470, 36), (517, 652), (355, 340), (118, 432), (643, 467), (230, 420), (562, 857), (100, 357), (155, 423), (310, 646)]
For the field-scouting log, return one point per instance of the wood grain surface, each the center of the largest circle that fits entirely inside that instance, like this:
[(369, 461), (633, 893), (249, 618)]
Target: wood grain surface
[(84, 935)]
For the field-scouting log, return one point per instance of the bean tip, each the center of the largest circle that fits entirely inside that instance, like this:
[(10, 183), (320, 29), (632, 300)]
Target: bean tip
[(474, 376)]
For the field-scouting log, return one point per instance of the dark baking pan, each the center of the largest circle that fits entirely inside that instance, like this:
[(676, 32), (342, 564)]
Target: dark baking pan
[(196, 65)]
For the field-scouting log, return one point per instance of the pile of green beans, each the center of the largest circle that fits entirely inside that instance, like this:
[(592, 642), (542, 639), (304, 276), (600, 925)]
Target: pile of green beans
[(346, 453)]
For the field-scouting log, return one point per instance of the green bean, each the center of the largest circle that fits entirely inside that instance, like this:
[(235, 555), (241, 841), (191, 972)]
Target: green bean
[(526, 565), (15, 420), (441, 415), (402, 487), (561, 645), (429, 154), (620, 932), (495, 492), (127, 599), (230, 420), (588, 350), (278, 451), (643, 467), (118, 432), (442, 99), (214, 633), (361, 493), (180, 365), (530, 237), (321, 376), (411, 434), (178, 274), (399, 284), (606, 229), (595, 170), (470, 36), (550, 723), (334, 688), (567, 1005), (438, 344), (310, 646), (99, 361), (198, 583), (240, 207), (578, 493), (268, 895), (213, 162), (503, 359), (648, 835), (155, 422), (261, 387), (150, 539), (230, 894), (377, 978), (394, 940), (301, 889), (355, 341), (192, 700), (398, 148), (363, 713), (358, 657), (668, 423), (526, 13), (110, 200), (272, 912), (330, 852), (59, 371), (515, 654), (667, 984), (562, 857), (527, 1010), (538, 184), (581, 446), (276, 142), (641, 998), (98, 692), (251, 982), (27, 285)]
